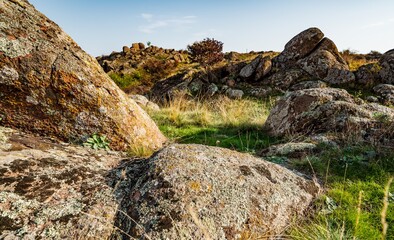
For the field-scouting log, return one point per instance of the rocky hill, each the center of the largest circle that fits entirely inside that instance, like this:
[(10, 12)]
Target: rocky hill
[(309, 60), (60, 114)]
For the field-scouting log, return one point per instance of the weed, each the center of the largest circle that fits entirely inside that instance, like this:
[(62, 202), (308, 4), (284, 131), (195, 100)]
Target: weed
[(97, 142)]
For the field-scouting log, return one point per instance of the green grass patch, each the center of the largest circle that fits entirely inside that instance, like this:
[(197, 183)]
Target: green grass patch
[(347, 173), (233, 124)]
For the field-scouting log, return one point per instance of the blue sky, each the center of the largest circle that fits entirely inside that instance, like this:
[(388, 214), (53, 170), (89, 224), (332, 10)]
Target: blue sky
[(103, 26)]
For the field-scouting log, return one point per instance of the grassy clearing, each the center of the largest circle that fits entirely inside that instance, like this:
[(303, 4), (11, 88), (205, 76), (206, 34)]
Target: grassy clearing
[(234, 124), (354, 175)]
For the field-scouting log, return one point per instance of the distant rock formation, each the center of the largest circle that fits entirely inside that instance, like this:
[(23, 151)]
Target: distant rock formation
[(49, 85)]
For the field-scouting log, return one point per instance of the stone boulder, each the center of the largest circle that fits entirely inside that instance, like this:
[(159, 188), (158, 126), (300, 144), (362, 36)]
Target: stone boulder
[(320, 110), (53, 190), (249, 69), (325, 63), (308, 84), (263, 68), (387, 64), (144, 102), (49, 85), (202, 192), (299, 46), (368, 75), (385, 93), (286, 78)]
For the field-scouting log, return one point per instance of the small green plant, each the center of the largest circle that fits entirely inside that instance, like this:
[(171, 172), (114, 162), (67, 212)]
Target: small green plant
[(97, 142), (148, 43), (381, 117)]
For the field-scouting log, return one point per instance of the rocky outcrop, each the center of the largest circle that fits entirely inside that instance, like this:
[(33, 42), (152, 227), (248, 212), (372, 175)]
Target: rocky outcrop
[(249, 69), (137, 56), (308, 84), (385, 93), (318, 57), (201, 192), (387, 64), (299, 46), (324, 110), (53, 190), (325, 63), (368, 75), (49, 85)]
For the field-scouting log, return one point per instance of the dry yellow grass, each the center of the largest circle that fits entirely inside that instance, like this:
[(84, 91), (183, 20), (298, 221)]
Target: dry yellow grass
[(220, 111)]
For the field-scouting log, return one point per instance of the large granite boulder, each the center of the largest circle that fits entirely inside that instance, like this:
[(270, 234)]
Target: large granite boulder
[(324, 110), (387, 64), (326, 63), (315, 55), (53, 190), (202, 192), (49, 85), (300, 46)]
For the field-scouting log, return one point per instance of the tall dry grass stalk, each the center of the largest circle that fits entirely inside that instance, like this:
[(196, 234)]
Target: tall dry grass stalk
[(360, 197), (383, 214)]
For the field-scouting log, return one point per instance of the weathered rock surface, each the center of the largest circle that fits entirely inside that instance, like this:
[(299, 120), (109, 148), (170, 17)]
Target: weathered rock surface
[(308, 84), (263, 68), (291, 149), (385, 93), (49, 85), (249, 69), (325, 63), (368, 75), (299, 46), (144, 102), (323, 110), (387, 64), (286, 78), (53, 190), (201, 192)]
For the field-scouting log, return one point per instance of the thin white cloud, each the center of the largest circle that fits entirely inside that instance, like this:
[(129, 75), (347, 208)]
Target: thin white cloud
[(147, 16), (378, 24), (154, 23)]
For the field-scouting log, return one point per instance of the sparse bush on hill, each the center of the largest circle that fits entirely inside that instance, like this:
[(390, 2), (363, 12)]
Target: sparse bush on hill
[(206, 52)]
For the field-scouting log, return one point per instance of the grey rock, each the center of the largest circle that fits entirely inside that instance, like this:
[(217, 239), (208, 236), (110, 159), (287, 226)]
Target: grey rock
[(387, 64), (144, 102), (292, 149), (323, 110), (368, 75), (308, 84), (212, 89), (249, 69), (234, 93), (202, 192), (299, 46), (326, 64), (263, 68), (54, 190), (385, 92), (287, 77)]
